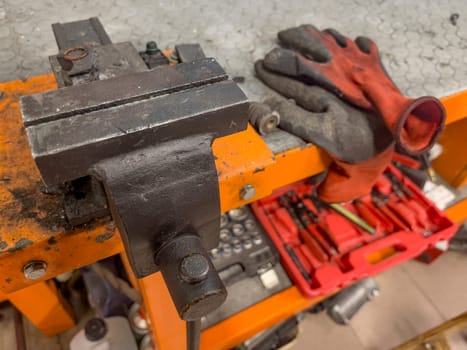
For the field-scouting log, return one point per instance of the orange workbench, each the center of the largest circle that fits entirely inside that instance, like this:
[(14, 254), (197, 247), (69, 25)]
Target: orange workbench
[(32, 225)]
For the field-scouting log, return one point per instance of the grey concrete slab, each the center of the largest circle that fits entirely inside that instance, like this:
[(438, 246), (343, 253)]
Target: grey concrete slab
[(401, 312), (423, 48), (443, 282), (320, 332), (7, 327)]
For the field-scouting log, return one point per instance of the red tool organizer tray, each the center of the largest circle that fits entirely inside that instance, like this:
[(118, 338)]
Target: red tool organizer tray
[(351, 251)]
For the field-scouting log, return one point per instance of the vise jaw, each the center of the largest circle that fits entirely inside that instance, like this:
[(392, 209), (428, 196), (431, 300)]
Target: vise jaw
[(147, 137)]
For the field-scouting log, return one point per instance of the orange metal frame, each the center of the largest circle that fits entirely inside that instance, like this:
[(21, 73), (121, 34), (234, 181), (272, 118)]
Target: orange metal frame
[(32, 225)]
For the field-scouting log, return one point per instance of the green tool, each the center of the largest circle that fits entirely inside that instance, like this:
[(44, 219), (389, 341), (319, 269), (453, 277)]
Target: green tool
[(353, 218)]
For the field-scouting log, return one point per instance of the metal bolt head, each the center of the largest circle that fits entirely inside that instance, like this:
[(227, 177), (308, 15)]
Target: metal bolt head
[(34, 270), (247, 192), (151, 47), (194, 268)]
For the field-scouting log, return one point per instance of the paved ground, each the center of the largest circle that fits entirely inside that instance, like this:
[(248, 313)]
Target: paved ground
[(423, 42)]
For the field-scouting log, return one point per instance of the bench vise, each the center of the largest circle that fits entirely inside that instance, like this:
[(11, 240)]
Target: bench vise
[(146, 135)]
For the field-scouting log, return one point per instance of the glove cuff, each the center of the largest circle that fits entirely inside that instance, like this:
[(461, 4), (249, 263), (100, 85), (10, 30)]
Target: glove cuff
[(345, 182)]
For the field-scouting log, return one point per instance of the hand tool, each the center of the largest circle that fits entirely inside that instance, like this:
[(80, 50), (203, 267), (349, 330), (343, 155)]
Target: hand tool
[(381, 203), (313, 226), (304, 234), (388, 224), (157, 166), (406, 195), (341, 210), (297, 262), (353, 71), (308, 255), (323, 119), (401, 210), (289, 250), (353, 218), (366, 213)]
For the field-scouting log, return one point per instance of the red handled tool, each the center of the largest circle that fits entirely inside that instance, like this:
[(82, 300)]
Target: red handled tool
[(310, 220), (304, 234), (384, 208), (365, 212), (406, 195)]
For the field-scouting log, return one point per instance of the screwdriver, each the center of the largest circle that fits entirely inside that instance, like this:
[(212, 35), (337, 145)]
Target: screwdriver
[(346, 214), (315, 228), (406, 195), (291, 252), (353, 218), (383, 207), (366, 213), (304, 234)]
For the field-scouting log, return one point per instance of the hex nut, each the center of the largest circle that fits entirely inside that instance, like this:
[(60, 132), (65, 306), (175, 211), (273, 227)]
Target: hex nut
[(247, 192), (34, 270)]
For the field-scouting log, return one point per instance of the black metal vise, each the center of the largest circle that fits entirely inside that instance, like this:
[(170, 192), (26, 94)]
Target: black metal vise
[(147, 136)]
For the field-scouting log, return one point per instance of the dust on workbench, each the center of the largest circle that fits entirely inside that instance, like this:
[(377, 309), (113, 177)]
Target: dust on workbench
[(23, 202)]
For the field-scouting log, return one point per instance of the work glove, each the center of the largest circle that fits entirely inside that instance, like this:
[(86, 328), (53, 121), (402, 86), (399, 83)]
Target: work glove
[(358, 142), (353, 71)]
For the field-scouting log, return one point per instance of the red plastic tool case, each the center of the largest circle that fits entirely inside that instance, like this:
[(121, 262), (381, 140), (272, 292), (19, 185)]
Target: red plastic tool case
[(356, 249)]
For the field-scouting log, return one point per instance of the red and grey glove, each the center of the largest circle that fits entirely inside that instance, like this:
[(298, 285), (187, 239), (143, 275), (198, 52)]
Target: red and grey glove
[(353, 71), (358, 141)]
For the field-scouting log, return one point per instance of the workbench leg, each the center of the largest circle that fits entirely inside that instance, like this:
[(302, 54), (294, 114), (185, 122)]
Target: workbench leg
[(43, 305), (168, 330)]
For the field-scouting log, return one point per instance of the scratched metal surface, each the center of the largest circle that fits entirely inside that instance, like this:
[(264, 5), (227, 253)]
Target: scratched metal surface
[(423, 42)]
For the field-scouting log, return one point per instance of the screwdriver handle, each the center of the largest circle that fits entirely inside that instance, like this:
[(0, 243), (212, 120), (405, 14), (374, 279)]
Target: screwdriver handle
[(297, 262), (366, 213)]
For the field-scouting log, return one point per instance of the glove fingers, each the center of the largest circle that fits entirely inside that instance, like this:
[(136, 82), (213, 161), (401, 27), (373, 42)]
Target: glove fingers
[(306, 40), (310, 127), (366, 45), (309, 97), (292, 64), (350, 135), (340, 40)]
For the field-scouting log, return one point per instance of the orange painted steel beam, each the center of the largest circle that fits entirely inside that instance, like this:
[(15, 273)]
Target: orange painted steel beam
[(452, 162), (169, 330), (32, 225), (458, 212), (44, 306), (255, 319), (456, 106)]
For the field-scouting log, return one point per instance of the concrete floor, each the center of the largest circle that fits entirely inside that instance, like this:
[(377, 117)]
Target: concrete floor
[(414, 298), (422, 47), (422, 44)]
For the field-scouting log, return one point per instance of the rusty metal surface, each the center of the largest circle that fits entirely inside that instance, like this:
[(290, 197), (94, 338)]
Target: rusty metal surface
[(241, 159), (72, 34), (32, 225), (68, 146), (154, 158), (86, 54), (80, 99)]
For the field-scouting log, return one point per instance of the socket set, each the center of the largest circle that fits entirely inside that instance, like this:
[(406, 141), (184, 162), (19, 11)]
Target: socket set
[(244, 248), (326, 246)]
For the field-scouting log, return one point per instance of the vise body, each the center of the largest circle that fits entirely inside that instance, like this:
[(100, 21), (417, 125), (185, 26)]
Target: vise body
[(146, 135)]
